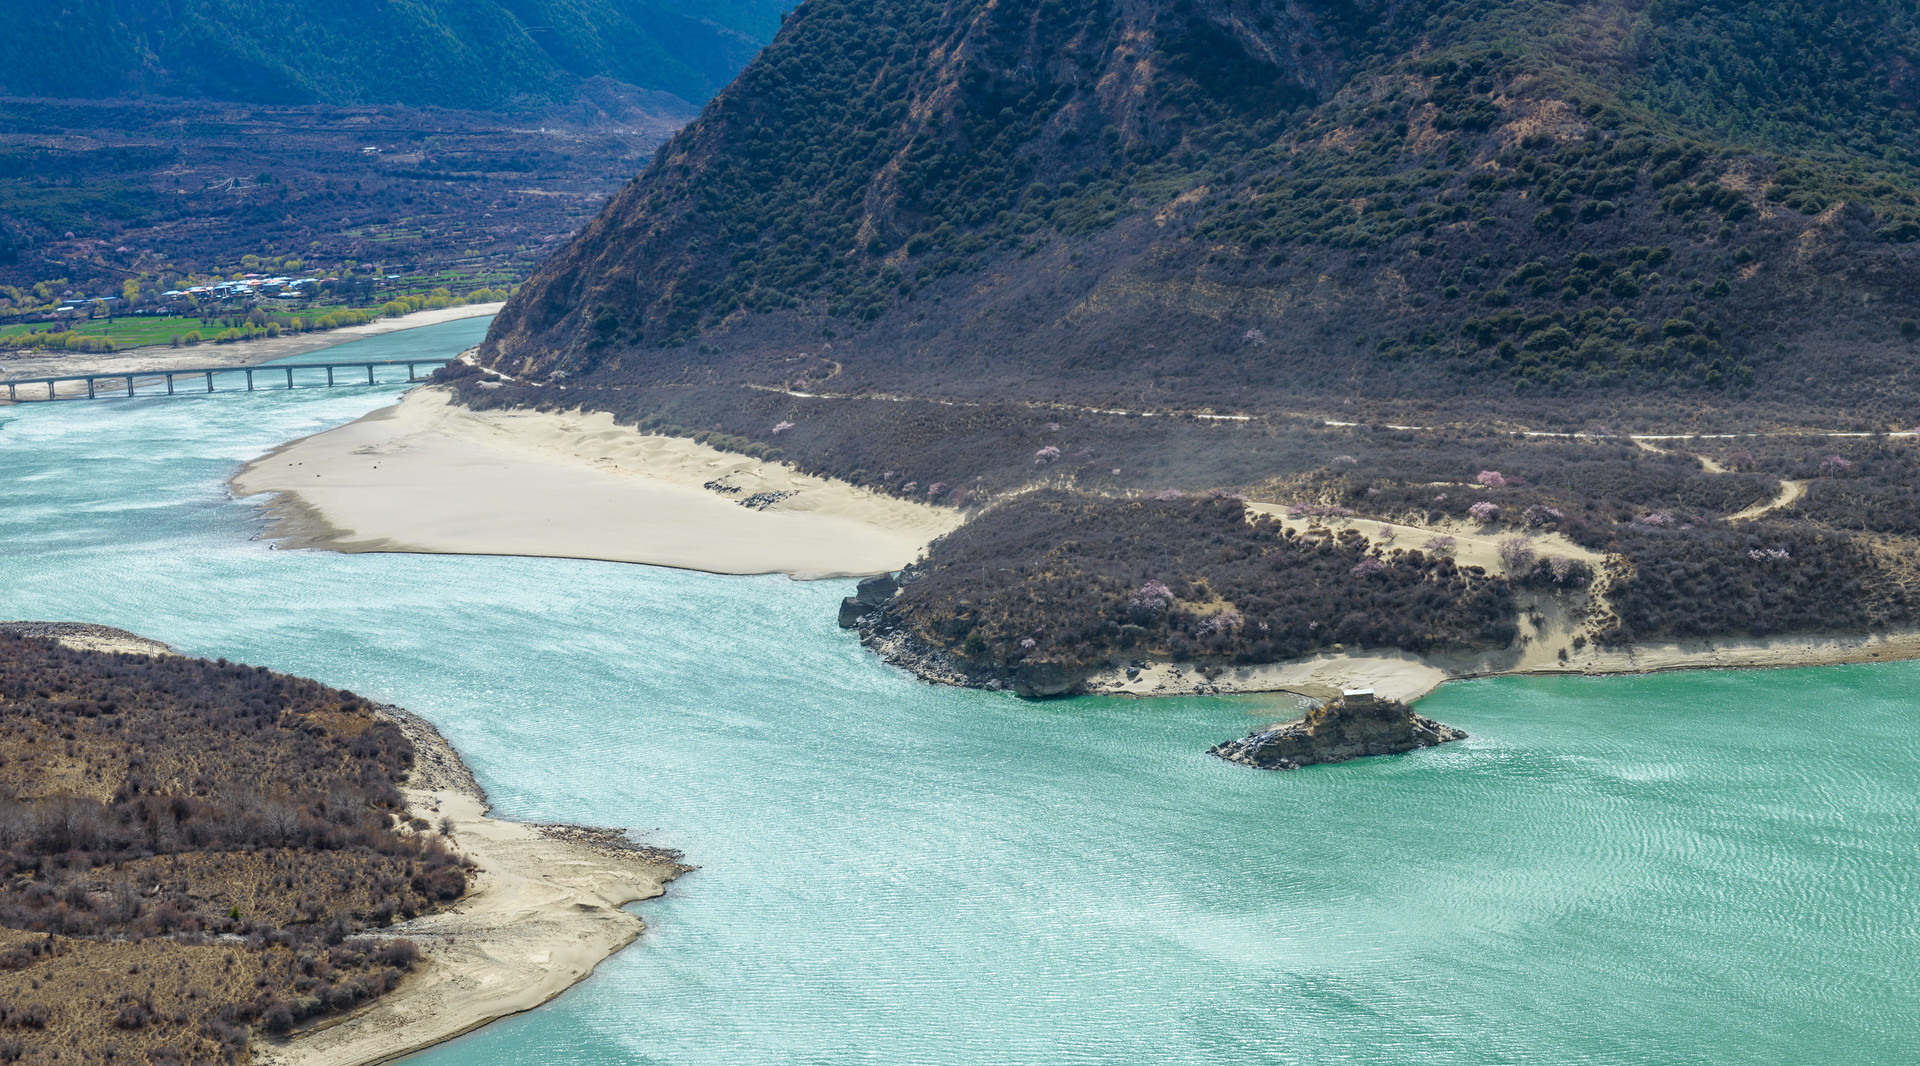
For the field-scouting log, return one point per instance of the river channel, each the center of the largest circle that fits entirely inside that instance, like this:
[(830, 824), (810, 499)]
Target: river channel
[(1682, 868)]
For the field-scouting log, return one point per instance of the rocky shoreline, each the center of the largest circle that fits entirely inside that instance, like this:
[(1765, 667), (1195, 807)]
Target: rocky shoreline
[(1352, 727), (865, 612), (899, 648)]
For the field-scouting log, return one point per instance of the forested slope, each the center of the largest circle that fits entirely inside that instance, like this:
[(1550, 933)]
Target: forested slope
[(1195, 203), (472, 54)]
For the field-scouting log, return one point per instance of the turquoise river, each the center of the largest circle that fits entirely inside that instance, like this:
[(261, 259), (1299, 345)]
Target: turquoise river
[(1681, 868)]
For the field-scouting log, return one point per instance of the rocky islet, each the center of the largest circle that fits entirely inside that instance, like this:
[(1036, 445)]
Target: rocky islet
[(1352, 727)]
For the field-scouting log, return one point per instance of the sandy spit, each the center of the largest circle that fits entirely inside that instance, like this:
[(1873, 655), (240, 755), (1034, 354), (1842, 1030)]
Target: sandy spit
[(429, 476), (85, 636), (1405, 676), (541, 913), (155, 358)]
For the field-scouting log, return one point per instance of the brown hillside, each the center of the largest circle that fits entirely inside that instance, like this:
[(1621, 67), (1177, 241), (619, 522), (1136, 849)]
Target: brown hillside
[(1182, 205), (191, 851)]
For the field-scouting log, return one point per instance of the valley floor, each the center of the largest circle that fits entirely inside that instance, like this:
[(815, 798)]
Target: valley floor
[(431, 476), (155, 359)]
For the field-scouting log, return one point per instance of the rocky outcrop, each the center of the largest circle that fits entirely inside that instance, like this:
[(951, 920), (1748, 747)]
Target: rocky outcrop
[(867, 612), (1041, 680), (869, 596), (1335, 732), (939, 666)]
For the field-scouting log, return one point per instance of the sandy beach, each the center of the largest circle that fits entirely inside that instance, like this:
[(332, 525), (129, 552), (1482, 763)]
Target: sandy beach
[(155, 358), (430, 476), (83, 636), (1405, 676), (542, 911)]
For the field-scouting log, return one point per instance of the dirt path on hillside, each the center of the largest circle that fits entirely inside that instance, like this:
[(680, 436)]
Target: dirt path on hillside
[(1790, 491)]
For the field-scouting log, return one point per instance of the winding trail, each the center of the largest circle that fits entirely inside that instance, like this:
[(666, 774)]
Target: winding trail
[(1209, 414), (1790, 490)]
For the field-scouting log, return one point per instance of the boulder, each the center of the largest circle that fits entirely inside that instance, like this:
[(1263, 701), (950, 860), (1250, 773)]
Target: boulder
[(1039, 680), (871, 593), (1335, 732)]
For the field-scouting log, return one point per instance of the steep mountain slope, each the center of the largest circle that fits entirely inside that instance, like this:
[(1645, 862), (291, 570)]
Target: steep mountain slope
[(474, 54), (1184, 203), (1342, 254)]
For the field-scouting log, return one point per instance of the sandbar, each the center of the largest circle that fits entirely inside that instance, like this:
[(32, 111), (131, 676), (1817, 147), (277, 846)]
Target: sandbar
[(428, 475)]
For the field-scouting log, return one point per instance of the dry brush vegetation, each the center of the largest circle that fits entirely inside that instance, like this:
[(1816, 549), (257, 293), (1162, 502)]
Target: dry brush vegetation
[(1043, 587), (194, 852)]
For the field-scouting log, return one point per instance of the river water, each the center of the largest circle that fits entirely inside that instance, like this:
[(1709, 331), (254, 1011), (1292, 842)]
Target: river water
[(1684, 868)]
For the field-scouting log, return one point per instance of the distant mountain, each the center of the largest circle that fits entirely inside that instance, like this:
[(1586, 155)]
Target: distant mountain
[(471, 54), (1250, 204)]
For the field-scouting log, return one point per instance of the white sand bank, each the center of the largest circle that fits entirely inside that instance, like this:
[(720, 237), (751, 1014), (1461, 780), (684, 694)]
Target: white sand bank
[(1405, 676), (543, 910), (84, 636), (429, 476), (1392, 674), (159, 359)]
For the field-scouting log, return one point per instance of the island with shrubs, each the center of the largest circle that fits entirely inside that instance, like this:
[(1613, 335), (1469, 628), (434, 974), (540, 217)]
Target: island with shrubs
[(205, 860)]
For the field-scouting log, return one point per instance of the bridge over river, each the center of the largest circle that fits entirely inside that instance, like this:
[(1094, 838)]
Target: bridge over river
[(134, 379)]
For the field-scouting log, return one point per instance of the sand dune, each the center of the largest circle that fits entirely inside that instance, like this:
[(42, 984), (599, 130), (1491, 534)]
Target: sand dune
[(429, 476), (1474, 544)]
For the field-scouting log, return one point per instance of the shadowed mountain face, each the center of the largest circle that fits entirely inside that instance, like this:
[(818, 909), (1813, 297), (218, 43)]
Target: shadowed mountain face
[(1243, 204), (471, 54)]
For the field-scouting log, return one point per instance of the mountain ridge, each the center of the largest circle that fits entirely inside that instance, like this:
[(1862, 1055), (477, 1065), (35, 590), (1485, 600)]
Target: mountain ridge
[(1412, 197)]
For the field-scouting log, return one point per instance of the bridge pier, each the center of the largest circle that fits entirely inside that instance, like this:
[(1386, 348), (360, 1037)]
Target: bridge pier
[(132, 379)]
